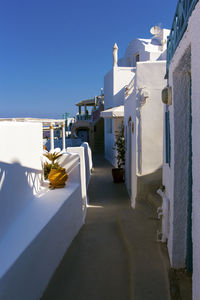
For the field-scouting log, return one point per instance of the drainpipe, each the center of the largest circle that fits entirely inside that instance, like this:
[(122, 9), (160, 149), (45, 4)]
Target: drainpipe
[(139, 141), (141, 97), (163, 212)]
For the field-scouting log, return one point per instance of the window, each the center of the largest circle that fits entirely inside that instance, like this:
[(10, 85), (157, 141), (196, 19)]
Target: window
[(136, 58)]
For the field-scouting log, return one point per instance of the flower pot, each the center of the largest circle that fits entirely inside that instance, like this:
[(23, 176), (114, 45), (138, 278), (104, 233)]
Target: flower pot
[(118, 175), (57, 178)]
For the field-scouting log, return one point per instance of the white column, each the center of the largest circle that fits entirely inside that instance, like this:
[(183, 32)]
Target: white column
[(51, 136), (63, 136)]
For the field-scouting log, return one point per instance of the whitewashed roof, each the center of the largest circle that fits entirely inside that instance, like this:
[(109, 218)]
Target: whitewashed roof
[(114, 112)]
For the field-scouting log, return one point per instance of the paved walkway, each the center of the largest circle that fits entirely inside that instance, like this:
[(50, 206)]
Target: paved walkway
[(115, 255)]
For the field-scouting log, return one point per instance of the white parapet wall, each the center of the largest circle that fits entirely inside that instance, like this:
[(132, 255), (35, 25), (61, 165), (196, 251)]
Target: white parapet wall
[(81, 152), (88, 162), (20, 168), (34, 240)]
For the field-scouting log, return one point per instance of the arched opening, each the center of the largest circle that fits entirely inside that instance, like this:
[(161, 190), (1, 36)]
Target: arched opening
[(83, 134)]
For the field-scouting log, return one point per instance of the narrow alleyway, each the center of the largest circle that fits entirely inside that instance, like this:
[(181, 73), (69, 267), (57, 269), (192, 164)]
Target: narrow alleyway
[(115, 255)]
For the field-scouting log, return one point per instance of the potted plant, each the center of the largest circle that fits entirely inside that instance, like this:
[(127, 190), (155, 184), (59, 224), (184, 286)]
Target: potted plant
[(54, 172), (118, 173)]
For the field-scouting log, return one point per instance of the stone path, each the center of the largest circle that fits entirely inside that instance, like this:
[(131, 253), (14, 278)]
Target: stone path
[(115, 255)]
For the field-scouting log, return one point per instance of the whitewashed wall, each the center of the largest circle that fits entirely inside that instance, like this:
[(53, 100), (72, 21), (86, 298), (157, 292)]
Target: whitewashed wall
[(130, 139), (114, 89), (110, 152), (116, 80), (146, 137), (20, 168), (150, 77), (134, 47), (109, 140), (108, 89), (148, 50), (81, 152), (121, 78), (37, 224), (88, 161), (190, 38)]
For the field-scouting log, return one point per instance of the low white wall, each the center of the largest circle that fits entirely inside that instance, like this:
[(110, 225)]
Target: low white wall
[(88, 162), (81, 152), (68, 142), (35, 240), (20, 168)]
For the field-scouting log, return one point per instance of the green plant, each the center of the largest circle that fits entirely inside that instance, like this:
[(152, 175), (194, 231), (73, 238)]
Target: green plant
[(52, 156), (47, 168), (53, 165), (120, 146)]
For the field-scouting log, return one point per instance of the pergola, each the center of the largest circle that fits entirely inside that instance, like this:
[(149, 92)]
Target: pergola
[(85, 103), (49, 123)]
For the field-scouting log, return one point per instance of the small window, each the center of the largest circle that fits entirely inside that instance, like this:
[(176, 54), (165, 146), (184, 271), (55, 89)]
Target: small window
[(136, 58)]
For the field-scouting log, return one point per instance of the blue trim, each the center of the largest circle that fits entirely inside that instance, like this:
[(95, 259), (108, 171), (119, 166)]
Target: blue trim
[(180, 22), (189, 255), (167, 139)]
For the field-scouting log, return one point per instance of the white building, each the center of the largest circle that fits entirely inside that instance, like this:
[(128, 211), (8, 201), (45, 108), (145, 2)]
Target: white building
[(181, 171), (37, 224), (132, 89), (143, 120)]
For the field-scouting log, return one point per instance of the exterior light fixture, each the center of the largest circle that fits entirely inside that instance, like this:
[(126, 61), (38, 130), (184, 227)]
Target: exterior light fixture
[(167, 95)]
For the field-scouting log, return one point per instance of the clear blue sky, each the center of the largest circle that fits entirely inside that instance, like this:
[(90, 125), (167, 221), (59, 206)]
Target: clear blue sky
[(55, 53)]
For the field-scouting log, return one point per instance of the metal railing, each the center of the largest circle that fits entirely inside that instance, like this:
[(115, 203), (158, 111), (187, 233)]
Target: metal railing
[(84, 117), (183, 11)]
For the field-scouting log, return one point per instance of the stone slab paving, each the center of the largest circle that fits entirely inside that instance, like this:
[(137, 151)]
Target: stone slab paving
[(115, 255)]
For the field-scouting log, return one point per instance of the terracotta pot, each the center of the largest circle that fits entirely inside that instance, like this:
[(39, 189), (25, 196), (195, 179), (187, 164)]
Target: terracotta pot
[(57, 178), (118, 175)]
